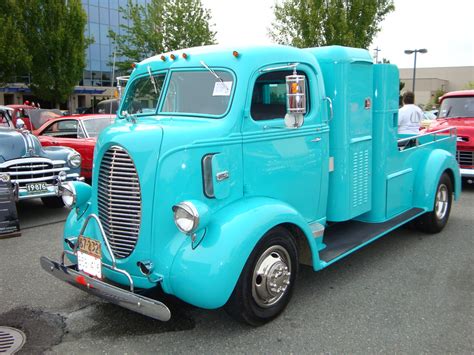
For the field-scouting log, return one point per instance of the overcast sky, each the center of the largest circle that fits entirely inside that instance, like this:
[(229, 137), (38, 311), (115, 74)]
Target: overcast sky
[(444, 28)]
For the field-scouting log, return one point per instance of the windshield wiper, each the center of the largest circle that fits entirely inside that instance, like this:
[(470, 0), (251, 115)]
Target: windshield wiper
[(211, 71), (152, 79)]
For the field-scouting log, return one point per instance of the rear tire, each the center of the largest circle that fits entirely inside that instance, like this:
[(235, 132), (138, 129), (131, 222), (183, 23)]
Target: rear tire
[(436, 220), (53, 202), (266, 283)]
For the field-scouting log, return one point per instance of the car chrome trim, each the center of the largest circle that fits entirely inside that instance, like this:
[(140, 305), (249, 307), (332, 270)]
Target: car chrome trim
[(467, 173)]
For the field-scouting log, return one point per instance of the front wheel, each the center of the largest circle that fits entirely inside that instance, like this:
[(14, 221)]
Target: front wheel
[(436, 220), (266, 283)]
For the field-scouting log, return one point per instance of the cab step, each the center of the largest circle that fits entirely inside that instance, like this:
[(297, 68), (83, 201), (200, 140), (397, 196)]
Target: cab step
[(345, 237)]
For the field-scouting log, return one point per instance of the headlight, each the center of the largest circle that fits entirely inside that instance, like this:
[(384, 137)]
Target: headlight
[(74, 160), (68, 193), (186, 217)]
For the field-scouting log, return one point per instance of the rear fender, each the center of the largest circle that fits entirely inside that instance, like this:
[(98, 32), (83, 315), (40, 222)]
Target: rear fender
[(426, 183), (206, 275)]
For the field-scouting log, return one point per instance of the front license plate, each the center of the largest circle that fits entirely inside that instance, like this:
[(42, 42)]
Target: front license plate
[(88, 256), (37, 187)]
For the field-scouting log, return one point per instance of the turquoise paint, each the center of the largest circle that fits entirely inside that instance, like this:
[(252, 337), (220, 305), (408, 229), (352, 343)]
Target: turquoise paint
[(276, 175)]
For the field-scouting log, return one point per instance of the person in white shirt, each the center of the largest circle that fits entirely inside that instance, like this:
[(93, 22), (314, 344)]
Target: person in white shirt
[(409, 115)]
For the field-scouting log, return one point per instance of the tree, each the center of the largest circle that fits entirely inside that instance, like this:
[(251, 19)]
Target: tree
[(55, 39), (161, 26), (14, 57), (313, 23)]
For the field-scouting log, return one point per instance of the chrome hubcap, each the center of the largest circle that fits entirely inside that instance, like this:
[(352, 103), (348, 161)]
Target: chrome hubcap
[(441, 205), (271, 276)]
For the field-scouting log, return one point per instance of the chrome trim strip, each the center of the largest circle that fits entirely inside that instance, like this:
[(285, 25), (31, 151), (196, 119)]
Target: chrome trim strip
[(34, 172), (467, 172), (21, 161)]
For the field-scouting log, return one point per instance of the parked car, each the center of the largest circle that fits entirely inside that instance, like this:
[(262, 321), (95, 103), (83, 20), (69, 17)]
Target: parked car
[(78, 132), (428, 119), (457, 110), (32, 116), (109, 106), (34, 171)]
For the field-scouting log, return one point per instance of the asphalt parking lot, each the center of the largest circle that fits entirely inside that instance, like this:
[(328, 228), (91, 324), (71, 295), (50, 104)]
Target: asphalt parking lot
[(406, 293)]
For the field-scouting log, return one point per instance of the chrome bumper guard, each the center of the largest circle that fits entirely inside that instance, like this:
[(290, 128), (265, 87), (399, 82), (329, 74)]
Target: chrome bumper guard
[(127, 299)]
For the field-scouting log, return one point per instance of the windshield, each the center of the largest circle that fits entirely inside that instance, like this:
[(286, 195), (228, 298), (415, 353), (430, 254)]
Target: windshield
[(38, 117), (453, 107), (5, 118), (143, 94), (198, 92), (94, 126)]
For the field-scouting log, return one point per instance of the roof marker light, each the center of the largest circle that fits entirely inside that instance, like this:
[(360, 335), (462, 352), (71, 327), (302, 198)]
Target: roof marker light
[(134, 65), (172, 56), (235, 54), (163, 58), (184, 55)]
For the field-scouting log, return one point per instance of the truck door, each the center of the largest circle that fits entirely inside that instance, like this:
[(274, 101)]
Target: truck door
[(279, 162)]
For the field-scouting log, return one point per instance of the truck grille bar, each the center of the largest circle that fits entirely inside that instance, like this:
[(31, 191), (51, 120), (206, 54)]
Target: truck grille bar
[(119, 196), (465, 158)]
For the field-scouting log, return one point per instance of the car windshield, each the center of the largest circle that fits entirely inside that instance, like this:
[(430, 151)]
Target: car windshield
[(455, 107), (198, 92), (94, 126), (38, 117), (143, 94)]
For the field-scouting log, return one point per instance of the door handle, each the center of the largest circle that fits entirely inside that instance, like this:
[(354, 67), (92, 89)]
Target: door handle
[(317, 139)]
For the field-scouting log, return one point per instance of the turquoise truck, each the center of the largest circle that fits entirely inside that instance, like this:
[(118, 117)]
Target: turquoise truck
[(227, 168)]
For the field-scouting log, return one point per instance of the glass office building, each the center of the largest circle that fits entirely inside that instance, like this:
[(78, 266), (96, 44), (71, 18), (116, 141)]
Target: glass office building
[(102, 16)]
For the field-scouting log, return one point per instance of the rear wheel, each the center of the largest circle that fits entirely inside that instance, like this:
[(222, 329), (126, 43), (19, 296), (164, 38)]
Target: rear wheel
[(53, 202), (436, 220), (266, 283)]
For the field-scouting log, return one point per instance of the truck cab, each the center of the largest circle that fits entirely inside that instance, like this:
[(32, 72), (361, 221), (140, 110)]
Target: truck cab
[(228, 167), (457, 110)]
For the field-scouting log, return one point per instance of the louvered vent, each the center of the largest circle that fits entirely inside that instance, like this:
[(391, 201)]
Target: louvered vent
[(119, 201)]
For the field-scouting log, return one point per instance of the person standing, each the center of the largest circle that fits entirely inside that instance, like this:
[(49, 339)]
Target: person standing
[(409, 115)]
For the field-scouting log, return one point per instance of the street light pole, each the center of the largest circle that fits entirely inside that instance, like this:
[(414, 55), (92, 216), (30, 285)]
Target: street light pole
[(415, 51)]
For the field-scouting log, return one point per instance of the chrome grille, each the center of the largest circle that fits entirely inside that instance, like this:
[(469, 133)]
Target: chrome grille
[(33, 170), (465, 158), (119, 201)]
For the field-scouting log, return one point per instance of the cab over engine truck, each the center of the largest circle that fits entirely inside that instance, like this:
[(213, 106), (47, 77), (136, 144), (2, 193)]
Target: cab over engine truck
[(227, 168)]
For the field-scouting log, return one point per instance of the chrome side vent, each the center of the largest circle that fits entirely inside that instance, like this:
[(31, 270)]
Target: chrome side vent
[(119, 201)]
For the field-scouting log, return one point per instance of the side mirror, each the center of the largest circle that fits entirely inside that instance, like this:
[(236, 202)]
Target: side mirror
[(20, 124), (295, 100)]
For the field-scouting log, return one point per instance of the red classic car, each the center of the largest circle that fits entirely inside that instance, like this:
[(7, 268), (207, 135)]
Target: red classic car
[(32, 116), (79, 132), (457, 110)]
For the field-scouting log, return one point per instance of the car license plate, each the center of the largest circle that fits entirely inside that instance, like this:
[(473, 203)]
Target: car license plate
[(88, 256), (37, 187)]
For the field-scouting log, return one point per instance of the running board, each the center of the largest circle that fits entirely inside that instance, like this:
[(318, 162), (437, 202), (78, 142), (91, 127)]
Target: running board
[(344, 237)]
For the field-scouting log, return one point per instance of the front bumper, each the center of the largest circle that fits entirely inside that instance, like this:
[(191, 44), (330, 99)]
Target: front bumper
[(21, 193), (127, 299), (467, 173)]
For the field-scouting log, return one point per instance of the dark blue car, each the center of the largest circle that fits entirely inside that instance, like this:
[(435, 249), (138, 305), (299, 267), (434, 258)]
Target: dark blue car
[(35, 172)]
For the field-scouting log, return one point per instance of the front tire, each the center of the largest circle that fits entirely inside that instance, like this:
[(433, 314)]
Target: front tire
[(436, 220), (266, 283), (53, 202)]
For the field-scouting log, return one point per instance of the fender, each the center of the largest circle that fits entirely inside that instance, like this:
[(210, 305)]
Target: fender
[(428, 176), (231, 235)]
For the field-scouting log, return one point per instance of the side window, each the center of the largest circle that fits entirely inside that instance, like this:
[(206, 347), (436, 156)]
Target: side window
[(269, 95), (4, 119), (62, 129)]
